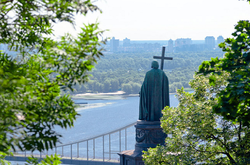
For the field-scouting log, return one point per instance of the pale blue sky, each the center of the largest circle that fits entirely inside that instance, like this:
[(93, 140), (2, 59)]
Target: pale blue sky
[(165, 19)]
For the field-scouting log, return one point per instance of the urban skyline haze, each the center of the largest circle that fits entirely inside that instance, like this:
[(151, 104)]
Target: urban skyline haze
[(164, 19)]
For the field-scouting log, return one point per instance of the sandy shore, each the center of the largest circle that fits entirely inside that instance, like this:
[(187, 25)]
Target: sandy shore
[(94, 105), (102, 96), (105, 96), (111, 93)]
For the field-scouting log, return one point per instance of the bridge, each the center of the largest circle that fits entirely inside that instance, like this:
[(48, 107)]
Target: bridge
[(101, 149)]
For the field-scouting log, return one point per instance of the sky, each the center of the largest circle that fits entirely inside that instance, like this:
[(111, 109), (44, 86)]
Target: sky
[(163, 19)]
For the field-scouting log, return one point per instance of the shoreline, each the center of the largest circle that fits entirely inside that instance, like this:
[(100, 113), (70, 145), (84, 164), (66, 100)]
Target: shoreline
[(105, 96)]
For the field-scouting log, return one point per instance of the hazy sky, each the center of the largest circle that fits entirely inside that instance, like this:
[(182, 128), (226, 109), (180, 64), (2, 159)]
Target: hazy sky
[(165, 19)]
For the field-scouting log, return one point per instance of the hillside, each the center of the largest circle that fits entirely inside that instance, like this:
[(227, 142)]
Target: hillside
[(126, 71)]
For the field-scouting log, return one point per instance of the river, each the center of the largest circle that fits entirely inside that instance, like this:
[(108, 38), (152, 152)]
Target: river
[(110, 115), (105, 116)]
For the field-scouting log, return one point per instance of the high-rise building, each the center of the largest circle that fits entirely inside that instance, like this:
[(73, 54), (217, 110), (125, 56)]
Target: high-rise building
[(210, 42), (170, 45), (126, 42), (182, 41), (114, 44), (220, 39)]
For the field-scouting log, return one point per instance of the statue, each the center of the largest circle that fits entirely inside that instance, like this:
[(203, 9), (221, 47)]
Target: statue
[(154, 95)]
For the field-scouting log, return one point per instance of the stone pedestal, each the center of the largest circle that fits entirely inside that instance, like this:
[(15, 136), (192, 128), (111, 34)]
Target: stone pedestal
[(148, 134)]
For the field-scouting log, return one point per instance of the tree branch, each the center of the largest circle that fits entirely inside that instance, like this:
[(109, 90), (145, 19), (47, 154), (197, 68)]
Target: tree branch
[(230, 158), (239, 135), (227, 153), (4, 2)]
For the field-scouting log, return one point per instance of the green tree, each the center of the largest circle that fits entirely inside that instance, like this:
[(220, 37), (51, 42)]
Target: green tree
[(127, 88), (136, 87), (234, 98), (198, 135), (172, 88), (100, 87), (106, 86), (30, 100), (114, 85)]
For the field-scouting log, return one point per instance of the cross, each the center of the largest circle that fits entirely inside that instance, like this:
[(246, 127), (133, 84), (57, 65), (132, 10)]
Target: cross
[(162, 57)]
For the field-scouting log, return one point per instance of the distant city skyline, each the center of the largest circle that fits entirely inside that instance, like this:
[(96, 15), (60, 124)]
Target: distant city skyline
[(164, 19), (179, 45), (221, 38)]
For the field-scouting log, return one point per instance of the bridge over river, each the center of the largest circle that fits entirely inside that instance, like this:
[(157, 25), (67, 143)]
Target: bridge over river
[(102, 148), (105, 128)]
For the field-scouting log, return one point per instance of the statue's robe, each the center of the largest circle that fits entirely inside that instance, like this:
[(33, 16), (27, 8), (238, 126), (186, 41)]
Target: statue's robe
[(154, 95)]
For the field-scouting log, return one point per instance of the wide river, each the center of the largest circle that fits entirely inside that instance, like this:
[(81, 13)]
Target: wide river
[(107, 116), (103, 117)]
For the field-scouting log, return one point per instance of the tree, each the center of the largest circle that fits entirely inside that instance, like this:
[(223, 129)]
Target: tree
[(136, 87), (30, 100), (127, 88), (198, 135), (234, 98), (114, 85), (106, 85)]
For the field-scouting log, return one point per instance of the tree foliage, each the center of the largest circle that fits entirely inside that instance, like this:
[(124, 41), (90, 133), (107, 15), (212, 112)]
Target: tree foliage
[(130, 68), (234, 99), (30, 100), (48, 160), (198, 135)]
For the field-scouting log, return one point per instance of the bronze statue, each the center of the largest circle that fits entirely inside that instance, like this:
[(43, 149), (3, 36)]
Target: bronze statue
[(154, 95)]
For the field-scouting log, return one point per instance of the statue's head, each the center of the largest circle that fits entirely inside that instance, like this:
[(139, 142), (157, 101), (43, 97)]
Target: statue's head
[(155, 65)]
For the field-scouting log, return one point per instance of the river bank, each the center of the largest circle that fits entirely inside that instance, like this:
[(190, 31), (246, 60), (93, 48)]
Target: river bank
[(104, 96), (111, 95)]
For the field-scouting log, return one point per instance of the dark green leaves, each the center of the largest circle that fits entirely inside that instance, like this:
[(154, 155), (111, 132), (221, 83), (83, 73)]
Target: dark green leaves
[(31, 103), (234, 99)]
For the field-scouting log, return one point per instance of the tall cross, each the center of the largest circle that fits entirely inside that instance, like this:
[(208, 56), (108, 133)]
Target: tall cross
[(162, 57)]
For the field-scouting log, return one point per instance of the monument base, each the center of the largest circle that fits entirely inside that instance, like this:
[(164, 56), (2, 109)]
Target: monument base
[(130, 157), (148, 135)]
